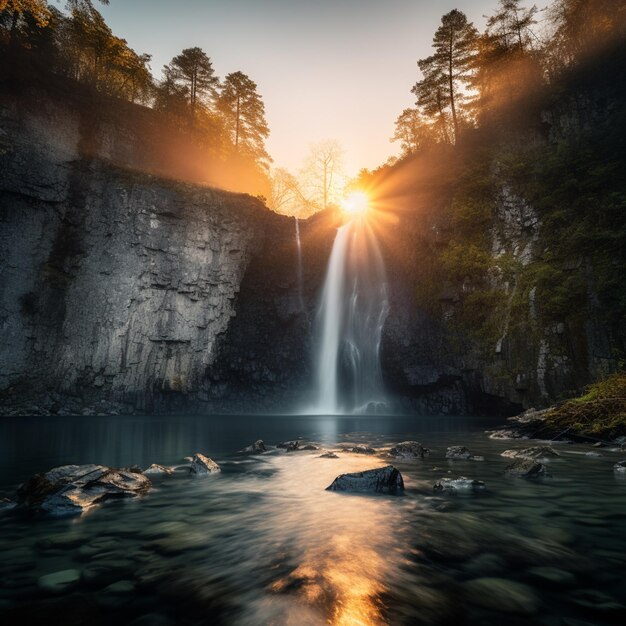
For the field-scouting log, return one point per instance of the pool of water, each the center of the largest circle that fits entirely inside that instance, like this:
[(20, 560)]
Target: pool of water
[(264, 543)]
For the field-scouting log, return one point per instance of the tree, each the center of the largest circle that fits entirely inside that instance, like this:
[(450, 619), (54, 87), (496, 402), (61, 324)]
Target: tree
[(511, 26), (193, 71), (448, 72), (413, 131), (244, 112), (322, 174)]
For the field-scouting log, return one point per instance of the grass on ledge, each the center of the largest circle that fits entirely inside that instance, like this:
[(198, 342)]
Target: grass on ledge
[(601, 412)]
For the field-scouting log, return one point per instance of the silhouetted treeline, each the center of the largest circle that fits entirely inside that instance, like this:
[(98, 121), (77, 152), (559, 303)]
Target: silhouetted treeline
[(226, 118)]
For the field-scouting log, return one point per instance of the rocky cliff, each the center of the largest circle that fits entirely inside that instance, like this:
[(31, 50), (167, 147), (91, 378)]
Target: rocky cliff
[(122, 290)]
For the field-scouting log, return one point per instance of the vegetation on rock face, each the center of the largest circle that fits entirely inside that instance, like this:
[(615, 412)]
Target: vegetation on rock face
[(601, 412)]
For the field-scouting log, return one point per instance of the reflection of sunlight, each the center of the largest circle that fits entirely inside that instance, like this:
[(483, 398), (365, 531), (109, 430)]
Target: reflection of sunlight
[(344, 558)]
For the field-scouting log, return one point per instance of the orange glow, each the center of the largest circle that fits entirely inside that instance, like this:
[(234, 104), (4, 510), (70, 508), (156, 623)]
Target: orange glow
[(356, 204)]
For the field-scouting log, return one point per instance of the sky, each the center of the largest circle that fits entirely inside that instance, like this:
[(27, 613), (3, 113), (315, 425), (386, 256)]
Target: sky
[(326, 69)]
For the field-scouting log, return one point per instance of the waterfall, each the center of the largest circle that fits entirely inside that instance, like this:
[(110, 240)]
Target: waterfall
[(299, 249), (353, 309)]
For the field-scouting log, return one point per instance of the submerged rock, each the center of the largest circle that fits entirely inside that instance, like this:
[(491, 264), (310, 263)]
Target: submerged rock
[(73, 489), (202, 465), (6, 504), (461, 485), (506, 433), (290, 446), (256, 448), (380, 480), (158, 470), (60, 582), (538, 452), (361, 449), (526, 468), (329, 455), (458, 453), (309, 446), (620, 467), (409, 450), (501, 594)]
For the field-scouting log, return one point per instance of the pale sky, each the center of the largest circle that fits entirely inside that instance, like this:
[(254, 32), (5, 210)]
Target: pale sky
[(326, 69)]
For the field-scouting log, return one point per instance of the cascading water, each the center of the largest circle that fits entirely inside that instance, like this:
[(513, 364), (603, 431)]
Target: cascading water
[(299, 249), (353, 309)]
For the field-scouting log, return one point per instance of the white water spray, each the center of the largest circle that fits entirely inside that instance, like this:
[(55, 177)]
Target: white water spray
[(353, 309), (299, 249)]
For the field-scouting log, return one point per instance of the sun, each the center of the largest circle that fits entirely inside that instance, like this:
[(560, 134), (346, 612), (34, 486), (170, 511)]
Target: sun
[(356, 204)]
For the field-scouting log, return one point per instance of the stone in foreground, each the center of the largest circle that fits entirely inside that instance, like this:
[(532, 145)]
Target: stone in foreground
[(73, 489), (256, 448), (456, 486), (380, 480), (202, 465), (409, 450), (526, 468)]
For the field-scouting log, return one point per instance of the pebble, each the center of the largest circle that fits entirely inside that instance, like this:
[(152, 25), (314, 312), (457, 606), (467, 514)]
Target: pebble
[(60, 582)]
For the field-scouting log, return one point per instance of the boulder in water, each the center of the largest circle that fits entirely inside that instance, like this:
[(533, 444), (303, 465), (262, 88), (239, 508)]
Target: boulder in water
[(329, 455), (202, 465), (526, 468), (290, 446), (73, 489), (360, 449), (256, 448), (458, 453), (537, 452), (158, 470), (456, 486), (380, 480), (409, 450)]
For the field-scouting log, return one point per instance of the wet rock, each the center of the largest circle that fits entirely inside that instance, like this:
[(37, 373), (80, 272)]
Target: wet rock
[(360, 449), (620, 467), (505, 433), (290, 446), (456, 486), (309, 446), (158, 470), (256, 448), (460, 453), (380, 480), (202, 465), (60, 582), (329, 455), (73, 489), (538, 452), (409, 450), (501, 594), (526, 468)]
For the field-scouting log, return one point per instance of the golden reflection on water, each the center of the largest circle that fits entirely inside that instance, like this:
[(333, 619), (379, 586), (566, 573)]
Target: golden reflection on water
[(346, 542)]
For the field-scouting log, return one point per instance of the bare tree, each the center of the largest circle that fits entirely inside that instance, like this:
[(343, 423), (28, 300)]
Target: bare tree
[(322, 175)]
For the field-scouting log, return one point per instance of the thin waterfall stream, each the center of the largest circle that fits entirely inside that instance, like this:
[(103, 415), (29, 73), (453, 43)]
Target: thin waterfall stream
[(353, 309), (299, 250)]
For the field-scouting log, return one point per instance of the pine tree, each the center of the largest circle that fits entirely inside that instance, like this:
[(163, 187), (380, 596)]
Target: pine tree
[(448, 72), (192, 69), (244, 112)]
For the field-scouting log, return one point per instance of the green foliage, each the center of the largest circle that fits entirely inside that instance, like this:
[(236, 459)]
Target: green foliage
[(601, 412)]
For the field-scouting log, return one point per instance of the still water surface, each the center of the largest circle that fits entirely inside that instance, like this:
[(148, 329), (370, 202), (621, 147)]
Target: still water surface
[(264, 543)]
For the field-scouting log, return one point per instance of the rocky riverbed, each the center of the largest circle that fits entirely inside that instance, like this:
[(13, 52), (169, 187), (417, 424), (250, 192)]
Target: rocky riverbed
[(263, 540)]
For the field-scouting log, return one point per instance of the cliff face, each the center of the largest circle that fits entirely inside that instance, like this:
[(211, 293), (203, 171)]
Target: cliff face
[(121, 290), (115, 285)]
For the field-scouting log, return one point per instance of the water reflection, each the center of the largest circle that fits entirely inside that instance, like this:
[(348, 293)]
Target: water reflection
[(264, 543)]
